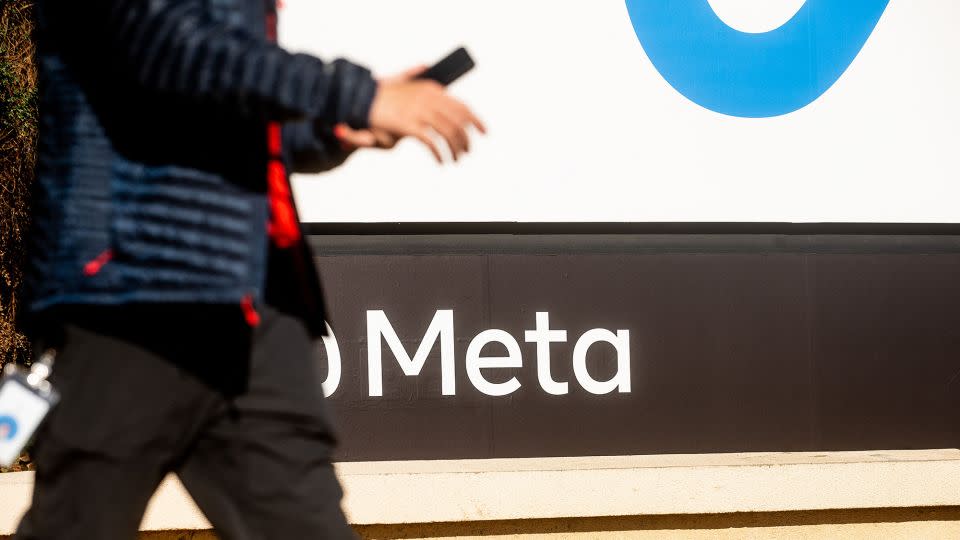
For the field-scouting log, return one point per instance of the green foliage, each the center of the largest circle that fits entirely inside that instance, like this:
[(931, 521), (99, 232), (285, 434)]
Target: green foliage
[(17, 75), (17, 102)]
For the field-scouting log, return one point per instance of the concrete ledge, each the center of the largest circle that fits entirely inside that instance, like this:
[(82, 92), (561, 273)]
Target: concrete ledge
[(426, 492), (394, 493)]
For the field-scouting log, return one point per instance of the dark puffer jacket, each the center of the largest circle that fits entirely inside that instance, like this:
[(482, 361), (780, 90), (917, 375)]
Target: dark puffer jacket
[(152, 176)]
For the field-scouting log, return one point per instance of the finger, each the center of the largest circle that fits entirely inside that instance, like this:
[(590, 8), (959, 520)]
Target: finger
[(414, 72), (466, 117), (340, 133), (407, 75), (424, 137), (447, 130), (385, 140), (476, 122), (453, 132), (351, 139)]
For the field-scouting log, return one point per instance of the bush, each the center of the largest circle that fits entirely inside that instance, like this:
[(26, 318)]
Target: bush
[(18, 137)]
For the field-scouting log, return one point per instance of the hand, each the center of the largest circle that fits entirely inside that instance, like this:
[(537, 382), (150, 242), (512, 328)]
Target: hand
[(351, 139), (405, 106)]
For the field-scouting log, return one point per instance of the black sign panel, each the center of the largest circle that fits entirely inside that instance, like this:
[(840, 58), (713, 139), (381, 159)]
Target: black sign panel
[(640, 344)]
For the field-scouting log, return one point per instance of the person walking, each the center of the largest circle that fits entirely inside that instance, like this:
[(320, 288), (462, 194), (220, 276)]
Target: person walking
[(167, 268)]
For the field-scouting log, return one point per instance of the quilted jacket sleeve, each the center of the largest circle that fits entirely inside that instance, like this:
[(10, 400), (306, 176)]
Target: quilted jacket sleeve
[(176, 47), (312, 150)]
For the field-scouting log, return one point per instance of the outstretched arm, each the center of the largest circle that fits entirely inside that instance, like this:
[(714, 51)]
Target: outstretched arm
[(175, 47)]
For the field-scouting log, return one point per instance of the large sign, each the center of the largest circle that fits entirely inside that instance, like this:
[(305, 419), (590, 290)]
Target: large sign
[(660, 110), (451, 348)]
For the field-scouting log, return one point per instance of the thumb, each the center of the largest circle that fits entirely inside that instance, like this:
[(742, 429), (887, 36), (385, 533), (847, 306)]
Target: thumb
[(351, 139), (406, 75)]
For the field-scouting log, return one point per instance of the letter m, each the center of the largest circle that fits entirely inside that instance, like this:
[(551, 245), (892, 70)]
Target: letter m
[(379, 328)]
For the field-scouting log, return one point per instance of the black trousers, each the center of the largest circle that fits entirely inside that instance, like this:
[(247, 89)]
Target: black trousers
[(239, 418)]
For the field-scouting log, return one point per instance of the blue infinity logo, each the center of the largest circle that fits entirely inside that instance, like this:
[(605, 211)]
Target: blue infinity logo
[(753, 75)]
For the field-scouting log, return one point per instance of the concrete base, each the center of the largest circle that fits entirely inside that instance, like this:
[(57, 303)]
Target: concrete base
[(911, 495)]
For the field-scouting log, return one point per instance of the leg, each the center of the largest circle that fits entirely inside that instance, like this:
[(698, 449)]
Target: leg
[(262, 469), (104, 449)]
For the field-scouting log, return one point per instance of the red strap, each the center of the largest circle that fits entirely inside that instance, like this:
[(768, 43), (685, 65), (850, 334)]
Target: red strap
[(274, 140), (284, 227)]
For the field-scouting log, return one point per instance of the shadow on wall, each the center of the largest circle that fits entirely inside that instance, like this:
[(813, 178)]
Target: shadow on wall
[(941, 522), (868, 523)]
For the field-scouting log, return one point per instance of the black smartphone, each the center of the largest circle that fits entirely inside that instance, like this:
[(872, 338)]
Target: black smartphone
[(452, 67)]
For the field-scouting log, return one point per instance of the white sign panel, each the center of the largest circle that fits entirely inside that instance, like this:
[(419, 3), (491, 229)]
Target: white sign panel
[(660, 110)]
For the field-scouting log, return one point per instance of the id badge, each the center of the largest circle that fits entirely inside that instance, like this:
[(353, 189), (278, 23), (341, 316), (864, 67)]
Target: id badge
[(25, 400)]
